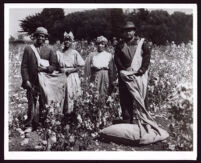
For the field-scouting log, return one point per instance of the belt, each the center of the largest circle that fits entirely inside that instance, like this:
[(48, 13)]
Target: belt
[(98, 69)]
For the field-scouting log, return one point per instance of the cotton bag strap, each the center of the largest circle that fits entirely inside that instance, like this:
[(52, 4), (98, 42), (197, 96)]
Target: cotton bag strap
[(41, 62), (137, 59), (36, 54)]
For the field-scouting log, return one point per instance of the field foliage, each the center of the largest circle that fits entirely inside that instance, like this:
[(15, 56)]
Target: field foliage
[(170, 101)]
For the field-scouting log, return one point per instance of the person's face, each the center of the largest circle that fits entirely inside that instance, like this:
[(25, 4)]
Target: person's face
[(100, 46), (91, 44), (129, 33), (115, 42), (40, 39), (67, 42)]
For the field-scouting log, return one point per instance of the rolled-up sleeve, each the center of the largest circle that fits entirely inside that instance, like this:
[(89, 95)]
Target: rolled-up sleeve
[(146, 55), (53, 62), (79, 60)]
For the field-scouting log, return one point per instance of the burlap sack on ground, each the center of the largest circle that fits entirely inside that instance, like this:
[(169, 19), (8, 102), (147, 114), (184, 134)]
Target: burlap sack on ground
[(131, 133)]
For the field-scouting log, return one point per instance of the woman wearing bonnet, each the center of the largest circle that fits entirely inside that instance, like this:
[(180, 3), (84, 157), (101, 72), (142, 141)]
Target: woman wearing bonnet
[(99, 67), (70, 62)]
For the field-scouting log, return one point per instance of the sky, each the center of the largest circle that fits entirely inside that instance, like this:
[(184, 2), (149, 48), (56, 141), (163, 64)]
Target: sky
[(17, 14)]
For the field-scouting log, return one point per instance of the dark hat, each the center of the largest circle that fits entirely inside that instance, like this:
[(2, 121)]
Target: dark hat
[(41, 30), (129, 25)]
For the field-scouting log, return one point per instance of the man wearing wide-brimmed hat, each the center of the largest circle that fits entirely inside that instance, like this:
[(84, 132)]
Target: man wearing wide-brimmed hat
[(132, 58), (36, 58)]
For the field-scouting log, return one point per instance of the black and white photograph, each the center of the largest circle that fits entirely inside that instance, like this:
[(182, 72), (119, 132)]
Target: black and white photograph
[(100, 82)]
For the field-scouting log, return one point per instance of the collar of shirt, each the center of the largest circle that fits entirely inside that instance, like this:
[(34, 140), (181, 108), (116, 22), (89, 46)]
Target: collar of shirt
[(134, 41), (38, 46)]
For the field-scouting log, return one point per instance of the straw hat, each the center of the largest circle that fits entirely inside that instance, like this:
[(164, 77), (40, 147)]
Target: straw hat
[(41, 30)]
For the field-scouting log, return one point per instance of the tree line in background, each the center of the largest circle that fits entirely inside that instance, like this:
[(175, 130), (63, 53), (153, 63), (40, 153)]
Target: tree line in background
[(157, 26)]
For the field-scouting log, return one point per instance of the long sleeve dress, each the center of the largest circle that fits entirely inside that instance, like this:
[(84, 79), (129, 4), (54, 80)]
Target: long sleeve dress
[(68, 60), (99, 68)]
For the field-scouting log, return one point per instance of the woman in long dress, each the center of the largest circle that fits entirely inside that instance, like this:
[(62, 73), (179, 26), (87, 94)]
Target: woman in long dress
[(99, 67), (70, 62)]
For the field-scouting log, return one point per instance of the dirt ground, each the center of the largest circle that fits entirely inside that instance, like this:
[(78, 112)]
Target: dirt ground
[(95, 144)]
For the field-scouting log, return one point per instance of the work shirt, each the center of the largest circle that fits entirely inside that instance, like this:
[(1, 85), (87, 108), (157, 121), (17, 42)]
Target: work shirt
[(29, 65), (125, 52)]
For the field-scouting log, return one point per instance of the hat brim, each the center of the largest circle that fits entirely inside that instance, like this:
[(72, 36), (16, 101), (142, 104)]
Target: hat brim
[(37, 33), (129, 28)]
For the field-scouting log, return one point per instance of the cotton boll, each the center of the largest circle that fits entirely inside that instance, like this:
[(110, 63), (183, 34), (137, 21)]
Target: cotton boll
[(28, 135), (19, 130), (79, 118), (24, 142), (53, 139), (72, 139), (38, 147), (29, 129), (44, 142), (22, 136)]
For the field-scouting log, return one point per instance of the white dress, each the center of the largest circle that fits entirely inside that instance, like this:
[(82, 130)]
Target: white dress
[(68, 60)]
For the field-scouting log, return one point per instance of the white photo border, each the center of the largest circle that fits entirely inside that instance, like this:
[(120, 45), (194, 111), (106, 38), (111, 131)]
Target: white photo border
[(100, 155)]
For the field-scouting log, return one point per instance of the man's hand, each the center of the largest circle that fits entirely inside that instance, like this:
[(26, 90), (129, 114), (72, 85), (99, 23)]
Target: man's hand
[(68, 72), (62, 70), (28, 85), (139, 73), (129, 69), (42, 69)]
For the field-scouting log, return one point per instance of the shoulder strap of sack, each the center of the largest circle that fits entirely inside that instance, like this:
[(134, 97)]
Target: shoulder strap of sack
[(36, 53), (139, 47), (137, 52), (140, 44)]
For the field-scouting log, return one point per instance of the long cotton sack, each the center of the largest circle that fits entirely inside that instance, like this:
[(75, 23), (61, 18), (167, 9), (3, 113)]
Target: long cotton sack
[(52, 86), (147, 129)]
